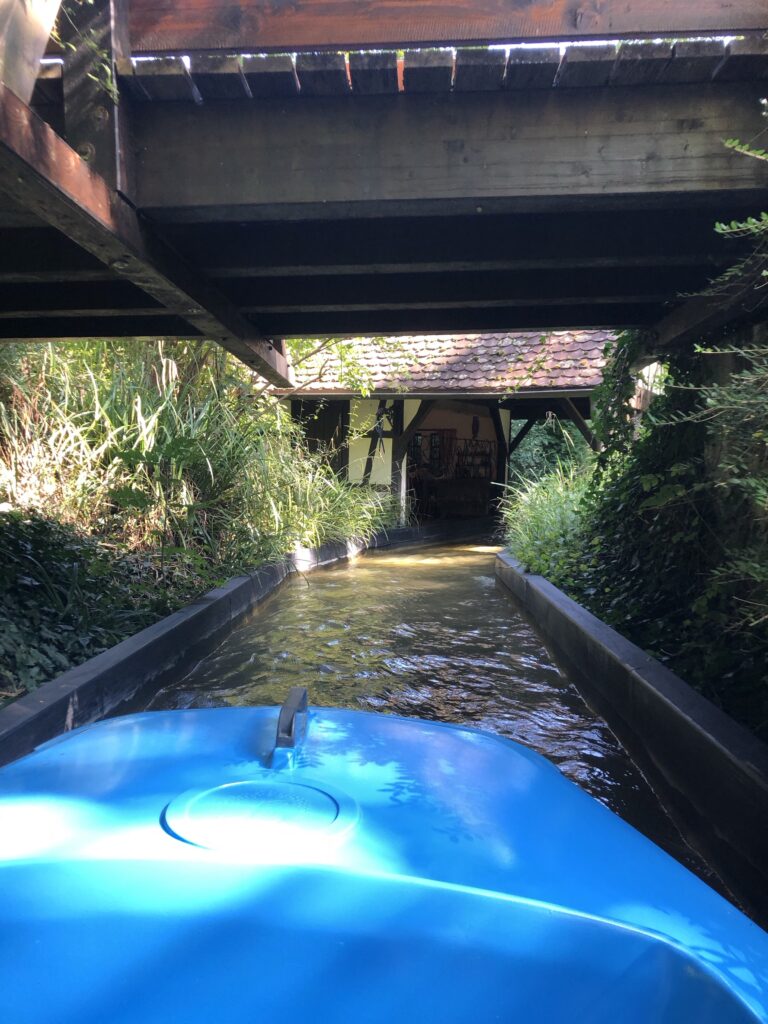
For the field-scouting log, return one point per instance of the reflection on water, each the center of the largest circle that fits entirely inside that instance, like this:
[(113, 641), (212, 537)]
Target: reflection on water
[(425, 632)]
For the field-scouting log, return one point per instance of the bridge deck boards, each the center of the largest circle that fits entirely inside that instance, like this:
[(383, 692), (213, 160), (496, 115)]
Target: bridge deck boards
[(220, 76), (182, 26)]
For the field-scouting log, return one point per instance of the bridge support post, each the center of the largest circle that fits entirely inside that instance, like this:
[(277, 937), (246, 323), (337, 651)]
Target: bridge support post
[(95, 36)]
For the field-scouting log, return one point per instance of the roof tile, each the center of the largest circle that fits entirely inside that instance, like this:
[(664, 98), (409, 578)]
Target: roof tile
[(471, 363)]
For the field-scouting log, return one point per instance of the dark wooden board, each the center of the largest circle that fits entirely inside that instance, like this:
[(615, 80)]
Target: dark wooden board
[(641, 63), (271, 75), (745, 59), (586, 66), (532, 68), (373, 73), (162, 79), (44, 175), (479, 70), (322, 74), (694, 62), (219, 77), (428, 70), (445, 151), (182, 26)]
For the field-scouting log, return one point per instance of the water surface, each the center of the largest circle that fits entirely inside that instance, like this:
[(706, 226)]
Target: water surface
[(425, 632)]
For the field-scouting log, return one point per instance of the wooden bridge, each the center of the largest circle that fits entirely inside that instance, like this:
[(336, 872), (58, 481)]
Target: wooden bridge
[(248, 171)]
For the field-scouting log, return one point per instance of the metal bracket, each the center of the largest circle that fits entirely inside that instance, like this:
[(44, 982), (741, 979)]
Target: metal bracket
[(295, 705)]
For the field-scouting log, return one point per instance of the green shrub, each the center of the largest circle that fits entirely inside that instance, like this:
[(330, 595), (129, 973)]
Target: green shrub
[(53, 612), (542, 524)]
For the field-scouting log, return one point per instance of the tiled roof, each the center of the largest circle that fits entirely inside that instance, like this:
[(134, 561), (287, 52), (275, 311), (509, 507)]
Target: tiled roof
[(468, 363)]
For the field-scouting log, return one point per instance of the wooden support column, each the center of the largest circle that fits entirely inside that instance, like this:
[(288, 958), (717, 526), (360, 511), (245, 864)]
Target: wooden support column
[(45, 176), (521, 435), (96, 38), (399, 475), (400, 445), (502, 446), (375, 435), (571, 413)]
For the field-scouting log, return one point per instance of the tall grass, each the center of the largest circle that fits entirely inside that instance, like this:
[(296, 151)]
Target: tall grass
[(169, 449), (541, 520), (170, 460)]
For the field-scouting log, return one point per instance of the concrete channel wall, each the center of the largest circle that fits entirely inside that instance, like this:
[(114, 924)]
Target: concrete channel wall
[(709, 772), (129, 673)]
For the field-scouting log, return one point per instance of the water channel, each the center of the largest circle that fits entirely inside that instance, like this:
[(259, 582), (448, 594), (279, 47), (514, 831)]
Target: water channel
[(426, 632)]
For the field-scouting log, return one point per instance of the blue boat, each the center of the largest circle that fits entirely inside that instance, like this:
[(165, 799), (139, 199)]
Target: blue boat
[(241, 865)]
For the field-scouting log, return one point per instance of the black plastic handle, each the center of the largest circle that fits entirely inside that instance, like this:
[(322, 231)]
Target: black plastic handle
[(295, 704)]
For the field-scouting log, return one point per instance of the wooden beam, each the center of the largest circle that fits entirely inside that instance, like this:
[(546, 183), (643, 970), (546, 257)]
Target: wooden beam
[(374, 442), (400, 445), (502, 444), (25, 26), (398, 478), (677, 235), (45, 175), (373, 73), (482, 154), (570, 412), (322, 74), (458, 320), (743, 298), (520, 436), (252, 25), (96, 38), (572, 287)]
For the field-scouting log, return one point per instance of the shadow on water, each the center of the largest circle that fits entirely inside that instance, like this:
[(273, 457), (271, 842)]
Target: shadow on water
[(426, 632)]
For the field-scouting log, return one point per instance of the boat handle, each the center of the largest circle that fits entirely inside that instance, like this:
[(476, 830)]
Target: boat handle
[(295, 704)]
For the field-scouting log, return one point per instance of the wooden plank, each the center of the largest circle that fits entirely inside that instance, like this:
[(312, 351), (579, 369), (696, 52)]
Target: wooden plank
[(48, 88), (25, 26), (46, 255), (254, 26), (400, 444), (502, 443), (428, 70), (641, 63), (694, 62), (374, 442), (163, 79), (322, 74), (76, 298), (373, 73), (270, 75), (478, 70), (521, 435), (631, 284), (586, 66), (350, 304), (44, 175), (459, 320), (532, 67), (448, 149), (570, 412), (44, 328), (96, 37), (745, 59), (671, 235), (702, 317), (219, 77)]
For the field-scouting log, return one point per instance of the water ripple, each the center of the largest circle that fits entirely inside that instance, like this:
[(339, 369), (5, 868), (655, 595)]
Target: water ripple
[(427, 633)]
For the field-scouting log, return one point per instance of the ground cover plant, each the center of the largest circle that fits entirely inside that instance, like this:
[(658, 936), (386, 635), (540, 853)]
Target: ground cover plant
[(665, 535), (135, 476)]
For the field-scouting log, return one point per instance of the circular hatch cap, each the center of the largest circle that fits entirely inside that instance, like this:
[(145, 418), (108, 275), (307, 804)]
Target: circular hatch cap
[(258, 817)]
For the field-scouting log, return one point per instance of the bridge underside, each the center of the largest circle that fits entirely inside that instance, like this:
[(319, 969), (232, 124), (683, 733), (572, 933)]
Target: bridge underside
[(250, 199)]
